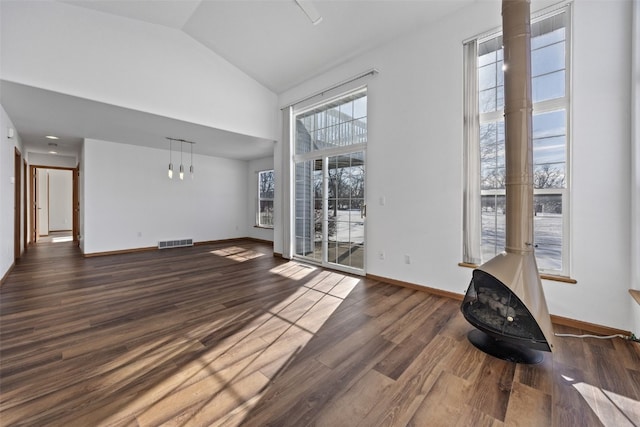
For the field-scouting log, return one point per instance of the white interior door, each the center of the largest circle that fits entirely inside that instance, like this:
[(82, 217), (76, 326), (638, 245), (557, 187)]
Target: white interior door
[(43, 202)]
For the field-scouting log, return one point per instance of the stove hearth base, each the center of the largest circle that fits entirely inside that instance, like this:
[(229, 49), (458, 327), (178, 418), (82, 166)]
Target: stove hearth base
[(504, 350)]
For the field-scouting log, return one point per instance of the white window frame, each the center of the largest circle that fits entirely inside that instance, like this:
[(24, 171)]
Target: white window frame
[(472, 253), (323, 154), (259, 222)]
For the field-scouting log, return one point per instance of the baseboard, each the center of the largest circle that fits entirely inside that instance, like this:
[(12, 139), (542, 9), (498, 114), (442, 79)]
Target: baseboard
[(558, 320), (434, 291), (254, 239), (4, 278), (588, 327), (121, 251)]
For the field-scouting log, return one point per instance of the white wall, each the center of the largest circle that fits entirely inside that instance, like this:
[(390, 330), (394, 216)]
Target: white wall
[(635, 163), (130, 203), (254, 167), (81, 198), (42, 159), (60, 200), (601, 209), (7, 188), (414, 157), (65, 48)]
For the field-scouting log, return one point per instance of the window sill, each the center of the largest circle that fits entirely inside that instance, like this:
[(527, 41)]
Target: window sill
[(551, 277), (635, 293)]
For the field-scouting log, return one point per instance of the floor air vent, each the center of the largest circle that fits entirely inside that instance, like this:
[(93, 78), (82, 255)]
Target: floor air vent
[(166, 244)]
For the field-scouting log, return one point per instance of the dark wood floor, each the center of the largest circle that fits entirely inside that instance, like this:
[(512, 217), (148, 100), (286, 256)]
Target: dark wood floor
[(226, 334)]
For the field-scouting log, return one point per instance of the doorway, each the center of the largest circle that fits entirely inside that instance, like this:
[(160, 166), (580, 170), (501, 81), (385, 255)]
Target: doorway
[(17, 215), (332, 209), (329, 189), (54, 204)]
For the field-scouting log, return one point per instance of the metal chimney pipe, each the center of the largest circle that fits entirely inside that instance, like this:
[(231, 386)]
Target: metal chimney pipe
[(518, 128)]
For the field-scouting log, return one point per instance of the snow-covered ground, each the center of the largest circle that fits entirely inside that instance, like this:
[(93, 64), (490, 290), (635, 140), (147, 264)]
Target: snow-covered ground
[(349, 227), (548, 238), (547, 226)]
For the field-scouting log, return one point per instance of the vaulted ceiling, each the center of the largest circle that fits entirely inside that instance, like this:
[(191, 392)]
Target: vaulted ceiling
[(272, 41)]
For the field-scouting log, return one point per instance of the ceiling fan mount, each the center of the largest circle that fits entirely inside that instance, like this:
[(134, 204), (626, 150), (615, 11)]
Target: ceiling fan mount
[(310, 10)]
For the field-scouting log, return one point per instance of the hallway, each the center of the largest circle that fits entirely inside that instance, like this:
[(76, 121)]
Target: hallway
[(56, 237)]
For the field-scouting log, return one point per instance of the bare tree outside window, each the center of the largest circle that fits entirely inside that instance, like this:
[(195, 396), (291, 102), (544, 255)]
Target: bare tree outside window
[(266, 188)]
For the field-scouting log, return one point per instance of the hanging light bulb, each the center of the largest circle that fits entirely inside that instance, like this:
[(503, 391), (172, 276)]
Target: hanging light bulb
[(181, 167), (191, 167), (170, 171)]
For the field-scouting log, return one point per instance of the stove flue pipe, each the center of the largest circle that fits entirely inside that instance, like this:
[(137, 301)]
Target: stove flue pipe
[(516, 29)]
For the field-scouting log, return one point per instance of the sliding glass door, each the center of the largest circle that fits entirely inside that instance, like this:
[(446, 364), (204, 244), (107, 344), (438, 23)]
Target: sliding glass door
[(330, 180), (344, 219)]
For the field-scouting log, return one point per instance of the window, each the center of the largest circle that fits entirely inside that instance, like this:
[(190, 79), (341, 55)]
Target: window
[(337, 124), (485, 143), (265, 199)]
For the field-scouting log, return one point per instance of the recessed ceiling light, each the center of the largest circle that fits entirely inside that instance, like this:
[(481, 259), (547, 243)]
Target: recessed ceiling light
[(52, 137), (53, 152)]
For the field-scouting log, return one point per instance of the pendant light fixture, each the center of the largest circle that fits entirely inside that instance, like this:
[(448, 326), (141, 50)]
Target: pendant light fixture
[(170, 171), (181, 169), (191, 167)]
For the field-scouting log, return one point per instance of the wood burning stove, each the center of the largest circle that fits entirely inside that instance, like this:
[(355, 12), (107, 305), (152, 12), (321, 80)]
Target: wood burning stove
[(505, 303), (505, 300)]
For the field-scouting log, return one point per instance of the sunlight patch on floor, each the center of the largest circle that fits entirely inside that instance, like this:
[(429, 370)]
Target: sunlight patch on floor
[(61, 239), (612, 409), (293, 270), (227, 376), (238, 254)]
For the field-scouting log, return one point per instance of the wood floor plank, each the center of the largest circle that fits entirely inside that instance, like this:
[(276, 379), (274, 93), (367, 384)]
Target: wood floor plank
[(226, 334), (492, 388), (538, 376), (471, 416), (413, 384), (313, 396), (528, 407), (441, 405), (569, 406), (414, 321), (628, 353), (465, 361), (356, 402), (604, 374), (406, 351)]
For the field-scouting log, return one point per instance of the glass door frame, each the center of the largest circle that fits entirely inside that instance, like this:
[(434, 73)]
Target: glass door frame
[(324, 155)]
